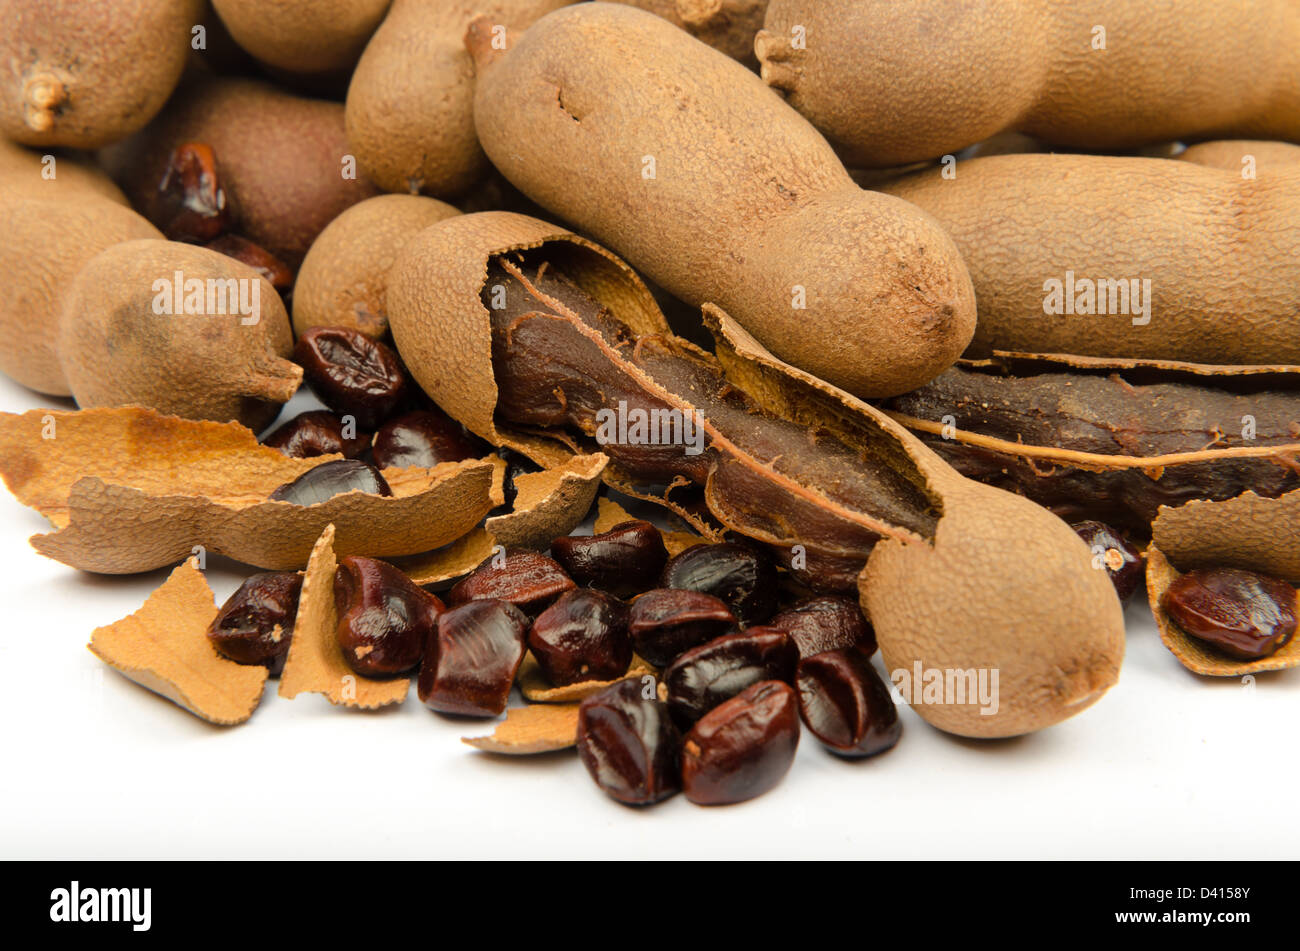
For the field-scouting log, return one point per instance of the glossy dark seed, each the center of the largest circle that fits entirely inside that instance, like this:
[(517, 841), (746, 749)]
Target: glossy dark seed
[(625, 560), (740, 575), (351, 373), (425, 439), (276, 272), (385, 619), (330, 479), (1243, 613), (707, 675), (255, 625), (1112, 551), (582, 636), (846, 705), (629, 744), (192, 204), (526, 579), (317, 432), (743, 747), (827, 623), (472, 658), (666, 622)]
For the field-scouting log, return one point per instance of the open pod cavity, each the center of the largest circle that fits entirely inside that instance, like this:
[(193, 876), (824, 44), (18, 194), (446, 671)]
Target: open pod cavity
[(536, 339), (1113, 439), (1248, 532)]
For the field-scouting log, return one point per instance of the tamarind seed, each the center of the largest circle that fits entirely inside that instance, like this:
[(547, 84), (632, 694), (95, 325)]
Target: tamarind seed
[(1112, 551), (624, 560), (526, 579), (705, 676), (740, 575), (255, 625), (472, 657), (827, 623), (277, 273), (846, 705), (384, 617), (330, 479), (743, 747), (425, 439), (666, 622), (1244, 614), (192, 205), (351, 373), (628, 743), (582, 636), (317, 432)]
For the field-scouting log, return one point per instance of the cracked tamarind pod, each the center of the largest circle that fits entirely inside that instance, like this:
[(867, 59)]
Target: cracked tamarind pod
[(1101, 447), (1212, 278), (717, 191), (539, 340), (897, 81)]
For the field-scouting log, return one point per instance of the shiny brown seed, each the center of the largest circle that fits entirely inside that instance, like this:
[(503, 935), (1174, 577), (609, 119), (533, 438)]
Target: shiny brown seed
[(385, 619), (351, 373), (526, 579), (425, 439), (255, 625), (667, 622), (472, 658), (628, 743), (318, 432), (707, 675), (1112, 551), (330, 479), (743, 747), (846, 705), (625, 560), (827, 623), (1243, 613), (740, 575), (276, 272), (582, 636), (193, 205)]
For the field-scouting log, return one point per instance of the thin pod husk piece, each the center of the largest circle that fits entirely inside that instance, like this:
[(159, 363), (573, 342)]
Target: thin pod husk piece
[(1249, 532), (131, 490), (1101, 446), (164, 647), (542, 728), (958, 575), (315, 662), (549, 503)]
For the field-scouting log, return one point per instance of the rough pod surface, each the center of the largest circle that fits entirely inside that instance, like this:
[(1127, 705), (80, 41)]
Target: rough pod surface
[(897, 81), (83, 73), (123, 339), (46, 242), (715, 189), (1217, 268)]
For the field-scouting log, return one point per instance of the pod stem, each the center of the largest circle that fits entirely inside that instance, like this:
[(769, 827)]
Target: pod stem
[(43, 94), (276, 382)]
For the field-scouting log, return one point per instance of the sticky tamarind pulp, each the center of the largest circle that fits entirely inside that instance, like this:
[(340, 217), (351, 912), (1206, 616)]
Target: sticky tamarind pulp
[(560, 358), (1100, 447)]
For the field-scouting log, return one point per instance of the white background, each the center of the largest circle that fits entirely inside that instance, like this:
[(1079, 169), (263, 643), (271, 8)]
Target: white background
[(93, 766)]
